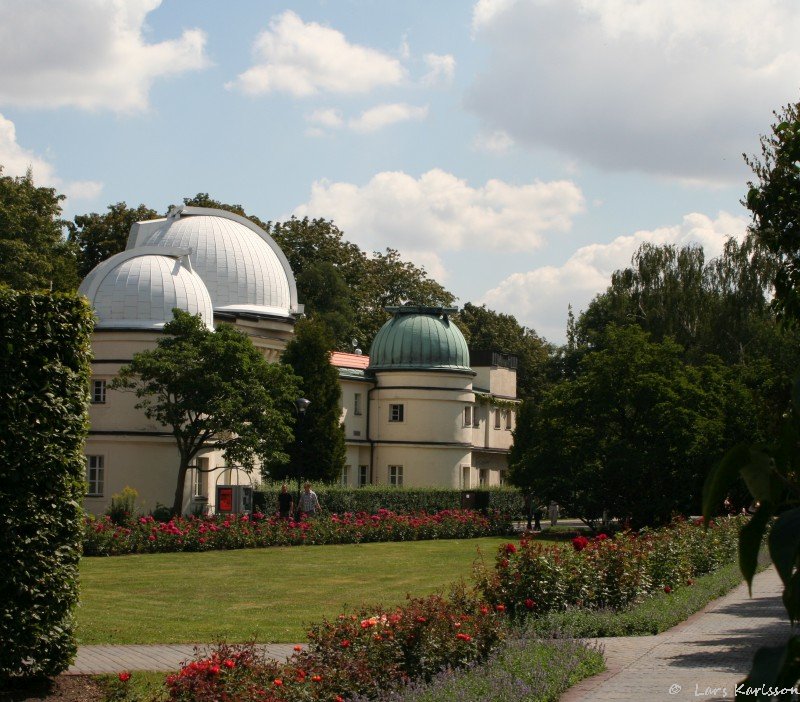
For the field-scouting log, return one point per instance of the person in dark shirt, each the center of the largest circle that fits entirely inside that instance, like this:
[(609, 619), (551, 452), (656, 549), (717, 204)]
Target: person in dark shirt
[(285, 502)]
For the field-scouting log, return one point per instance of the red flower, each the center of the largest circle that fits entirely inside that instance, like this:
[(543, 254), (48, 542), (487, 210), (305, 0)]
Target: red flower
[(277, 682), (500, 608), (529, 603), (510, 548), (228, 663), (601, 537), (345, 644), (298, 648), (316, 678), (214, 670), (125, 676), (667, 589), (464, 637), (579, 543), (690, 582)]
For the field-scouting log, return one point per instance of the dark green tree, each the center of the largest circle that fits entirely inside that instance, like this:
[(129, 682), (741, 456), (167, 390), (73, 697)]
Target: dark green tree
[(33, 252), (328, 299), (487, 330), (318, 451), (771, 468), (213, 388), (97, 237), (633, 433)]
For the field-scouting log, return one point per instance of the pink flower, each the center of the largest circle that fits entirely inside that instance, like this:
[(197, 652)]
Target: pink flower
[(529, 603)]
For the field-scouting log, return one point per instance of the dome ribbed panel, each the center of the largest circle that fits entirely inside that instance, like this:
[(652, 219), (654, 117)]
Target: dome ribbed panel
[(419, 342), (238, 267), (141, 292)]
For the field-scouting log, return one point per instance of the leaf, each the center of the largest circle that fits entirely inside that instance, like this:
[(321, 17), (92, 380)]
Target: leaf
[(720, 478), (784, 543), (750, 543), (791, 597), (756, 473), (767, 664)]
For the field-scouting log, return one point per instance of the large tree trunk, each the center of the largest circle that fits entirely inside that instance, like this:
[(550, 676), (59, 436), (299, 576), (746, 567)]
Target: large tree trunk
[(177, 505)]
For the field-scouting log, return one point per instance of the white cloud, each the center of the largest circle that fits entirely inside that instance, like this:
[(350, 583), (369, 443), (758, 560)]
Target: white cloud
[(676, 88), (440, 212), (306, 58), (88, 54), (441, 69), (497, 142), (382, 116), (328, 117), (539, 298), (16, 161)]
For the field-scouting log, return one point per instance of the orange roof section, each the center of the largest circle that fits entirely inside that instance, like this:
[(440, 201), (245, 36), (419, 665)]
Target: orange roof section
[(349, 360)]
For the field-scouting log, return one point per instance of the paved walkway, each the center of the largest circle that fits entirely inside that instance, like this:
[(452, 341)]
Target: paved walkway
[(93, 660), (704, 658)]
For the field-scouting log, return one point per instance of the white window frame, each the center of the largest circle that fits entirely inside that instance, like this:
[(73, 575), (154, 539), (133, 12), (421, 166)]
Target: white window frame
[(200, 478), (468, 421), (357, 403), (98, 391), (497, 418), (363, 475), (397, 413), (394, 475), (345, 478), (95, 475), (509, 420)]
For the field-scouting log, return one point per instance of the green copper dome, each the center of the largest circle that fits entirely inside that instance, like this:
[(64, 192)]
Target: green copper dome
[(419, 338)]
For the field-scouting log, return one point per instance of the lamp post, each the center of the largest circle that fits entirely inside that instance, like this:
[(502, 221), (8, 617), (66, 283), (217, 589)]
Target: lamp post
[(301, 405)]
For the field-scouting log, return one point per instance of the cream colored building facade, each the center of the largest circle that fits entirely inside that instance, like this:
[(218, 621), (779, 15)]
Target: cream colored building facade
[(415, 412)]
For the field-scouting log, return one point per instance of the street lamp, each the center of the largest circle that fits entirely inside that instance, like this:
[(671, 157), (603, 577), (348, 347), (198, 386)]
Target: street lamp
[(301, 405)]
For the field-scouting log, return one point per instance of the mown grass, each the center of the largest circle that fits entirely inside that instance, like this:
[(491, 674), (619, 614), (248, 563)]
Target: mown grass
[(266, 595)]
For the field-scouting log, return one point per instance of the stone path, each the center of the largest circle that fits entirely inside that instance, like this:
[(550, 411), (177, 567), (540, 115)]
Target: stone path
[(704, 658), (92, 660)]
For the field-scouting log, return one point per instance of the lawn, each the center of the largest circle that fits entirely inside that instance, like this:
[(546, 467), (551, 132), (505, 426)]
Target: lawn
[(268, 595)]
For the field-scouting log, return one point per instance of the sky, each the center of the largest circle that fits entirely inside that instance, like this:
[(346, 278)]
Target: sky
[(519, 150)]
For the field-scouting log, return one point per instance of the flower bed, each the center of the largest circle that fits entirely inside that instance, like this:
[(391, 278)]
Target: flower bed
[(146, 535), (365, 653), (604, 572)]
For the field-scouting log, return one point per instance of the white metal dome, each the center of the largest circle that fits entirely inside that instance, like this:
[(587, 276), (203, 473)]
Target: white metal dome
[(138, 289), (243, 268)]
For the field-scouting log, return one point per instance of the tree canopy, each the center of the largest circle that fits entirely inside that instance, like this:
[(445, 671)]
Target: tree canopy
[(633, 433), (213, 389), (33, 252), (318, 451)]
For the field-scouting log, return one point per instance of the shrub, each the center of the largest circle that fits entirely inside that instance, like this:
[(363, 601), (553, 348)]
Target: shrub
[(147, 535), (123, 506), (44, 357), (605, 572)]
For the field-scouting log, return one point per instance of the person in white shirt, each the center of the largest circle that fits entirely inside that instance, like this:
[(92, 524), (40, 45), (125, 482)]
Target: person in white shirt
[(309, 503)]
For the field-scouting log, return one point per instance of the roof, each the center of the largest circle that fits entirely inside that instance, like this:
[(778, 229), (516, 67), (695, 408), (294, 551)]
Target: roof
[(349, 360), (420, 338)]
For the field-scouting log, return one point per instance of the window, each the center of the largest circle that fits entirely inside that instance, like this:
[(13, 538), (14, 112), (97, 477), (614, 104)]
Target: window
[(396, 475), (395, 413), (465, 474), (95, 475), (503, 478), (497, 419), (345, 475), (468, 416), (483, 480), (98, 392), (200, 482), (509, 420), (357, 404), (363, 476), (476, 417)]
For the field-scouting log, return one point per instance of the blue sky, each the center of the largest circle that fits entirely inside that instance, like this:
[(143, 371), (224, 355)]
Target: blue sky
[(520, 150)]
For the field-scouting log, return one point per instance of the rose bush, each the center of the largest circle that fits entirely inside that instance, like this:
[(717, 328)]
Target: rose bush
[(146, 535), (365, 652), (532, 578)]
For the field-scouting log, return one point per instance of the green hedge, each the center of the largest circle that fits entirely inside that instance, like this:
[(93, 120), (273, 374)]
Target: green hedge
[(44, 383), (370, 498)]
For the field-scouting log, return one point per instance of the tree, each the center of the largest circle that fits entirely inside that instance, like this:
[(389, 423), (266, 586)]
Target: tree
[(771, 468), (213, 389), (633, 433), (97, 237), (33, 252), (487, 330), (318, 451)]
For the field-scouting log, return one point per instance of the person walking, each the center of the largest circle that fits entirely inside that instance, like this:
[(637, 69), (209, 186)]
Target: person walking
[(285, 502), (552, 512), (309, 502)]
